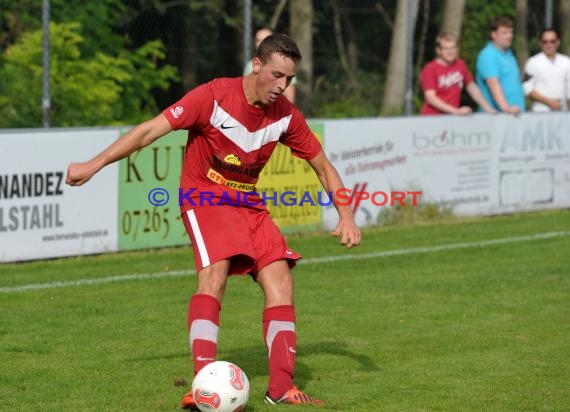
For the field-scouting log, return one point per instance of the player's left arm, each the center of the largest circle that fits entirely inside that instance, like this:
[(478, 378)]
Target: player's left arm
[(476, 95), (346, 228), (137, 138)]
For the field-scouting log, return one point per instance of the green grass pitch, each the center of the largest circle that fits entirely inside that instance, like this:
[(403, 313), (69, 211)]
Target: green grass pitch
[(470, 326)]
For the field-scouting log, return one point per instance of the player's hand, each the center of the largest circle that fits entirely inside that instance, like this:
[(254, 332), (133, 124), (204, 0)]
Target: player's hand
[(490, 110), (514, 110), (348, 232), (463, 110), (554, 104), (79, 173)]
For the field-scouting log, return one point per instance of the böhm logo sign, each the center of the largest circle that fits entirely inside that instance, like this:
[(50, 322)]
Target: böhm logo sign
[(452, 139)]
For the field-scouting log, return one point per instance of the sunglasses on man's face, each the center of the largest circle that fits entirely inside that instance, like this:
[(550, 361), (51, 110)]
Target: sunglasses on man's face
[(549, 41)]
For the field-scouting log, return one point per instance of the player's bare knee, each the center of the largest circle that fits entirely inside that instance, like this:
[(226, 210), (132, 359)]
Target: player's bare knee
[(277, 287), (212, 281)]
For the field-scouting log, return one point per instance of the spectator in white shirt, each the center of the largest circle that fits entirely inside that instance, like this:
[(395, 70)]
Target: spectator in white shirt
[(547, 75)]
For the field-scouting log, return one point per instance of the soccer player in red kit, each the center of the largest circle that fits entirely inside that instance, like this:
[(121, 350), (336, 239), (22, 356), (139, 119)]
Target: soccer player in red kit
[(443, 79), (233, 126)]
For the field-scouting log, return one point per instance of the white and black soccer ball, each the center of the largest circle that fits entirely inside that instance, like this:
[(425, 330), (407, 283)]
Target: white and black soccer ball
[(220, 386)]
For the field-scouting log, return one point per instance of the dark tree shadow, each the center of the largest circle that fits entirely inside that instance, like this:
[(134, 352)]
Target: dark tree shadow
[(253, 359)]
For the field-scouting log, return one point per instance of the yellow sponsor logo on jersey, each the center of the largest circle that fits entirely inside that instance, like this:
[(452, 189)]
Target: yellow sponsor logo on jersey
[(232, 159), (218, 178)]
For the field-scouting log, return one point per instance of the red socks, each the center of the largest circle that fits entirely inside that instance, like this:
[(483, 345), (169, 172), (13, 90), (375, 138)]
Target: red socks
[(203, 327), (278, 331), (281, 341)]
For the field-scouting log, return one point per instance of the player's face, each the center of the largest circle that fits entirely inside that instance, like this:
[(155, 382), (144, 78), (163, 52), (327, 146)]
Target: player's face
[(549, 43), (273, 77), (502, 37), (447, 51)]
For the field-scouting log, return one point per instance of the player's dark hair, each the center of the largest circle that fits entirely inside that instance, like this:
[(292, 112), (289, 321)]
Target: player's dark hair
[(546, 30), (501, 21), (278, 43)]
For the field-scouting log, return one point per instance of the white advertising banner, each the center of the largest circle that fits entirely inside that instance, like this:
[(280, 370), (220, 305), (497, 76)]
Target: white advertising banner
[(476, 165), (40, 216), (370, 156), (532, 163), (479, 164)]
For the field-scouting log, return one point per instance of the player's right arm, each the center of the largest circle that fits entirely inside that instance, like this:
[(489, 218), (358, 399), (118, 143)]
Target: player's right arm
[(435, 101), (476, 95), (346, 228), (135, 139), (554, 104), (499, 97)]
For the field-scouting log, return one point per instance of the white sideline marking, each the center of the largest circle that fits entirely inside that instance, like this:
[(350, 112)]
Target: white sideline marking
[(450, 246), (96, 281), (325, 259)]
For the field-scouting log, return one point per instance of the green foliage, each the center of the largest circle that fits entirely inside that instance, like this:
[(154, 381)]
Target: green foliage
[(338, 98), (143, 77), (475, 31), (98, 19), (16, 16), (348, 106), (209, 31), (99, 90)]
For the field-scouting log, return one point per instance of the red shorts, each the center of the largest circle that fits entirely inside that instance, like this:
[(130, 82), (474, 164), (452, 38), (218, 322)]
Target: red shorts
[(246, 236)]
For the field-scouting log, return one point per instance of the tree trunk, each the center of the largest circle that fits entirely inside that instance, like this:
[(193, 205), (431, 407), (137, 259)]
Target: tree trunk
[(521, 30), (277, 14), (565, 25), (422, 42), (301, 29), (351, 39), (453, 17), (345, 61), (395, 85)]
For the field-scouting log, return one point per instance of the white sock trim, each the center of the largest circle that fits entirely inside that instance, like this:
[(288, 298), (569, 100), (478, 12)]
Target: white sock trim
[(203, 329), (276, 326)]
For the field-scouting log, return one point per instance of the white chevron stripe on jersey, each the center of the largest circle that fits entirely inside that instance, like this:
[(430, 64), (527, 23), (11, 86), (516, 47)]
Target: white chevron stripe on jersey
[(243, 138)]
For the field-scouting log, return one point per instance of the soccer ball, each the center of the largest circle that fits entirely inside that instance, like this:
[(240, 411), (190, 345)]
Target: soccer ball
[(220, 386)]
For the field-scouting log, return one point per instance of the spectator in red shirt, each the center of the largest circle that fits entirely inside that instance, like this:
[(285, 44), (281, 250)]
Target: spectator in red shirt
[(443, 79)]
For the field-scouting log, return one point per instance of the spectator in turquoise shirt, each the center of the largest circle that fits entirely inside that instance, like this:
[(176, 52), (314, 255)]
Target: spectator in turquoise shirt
[(498, 74)]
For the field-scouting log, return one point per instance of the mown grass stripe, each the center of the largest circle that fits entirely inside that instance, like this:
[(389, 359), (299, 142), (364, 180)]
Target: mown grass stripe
[(324, 259)]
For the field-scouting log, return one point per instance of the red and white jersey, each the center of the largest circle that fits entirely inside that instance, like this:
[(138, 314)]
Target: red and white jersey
[(230, 141), (447, 81)]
